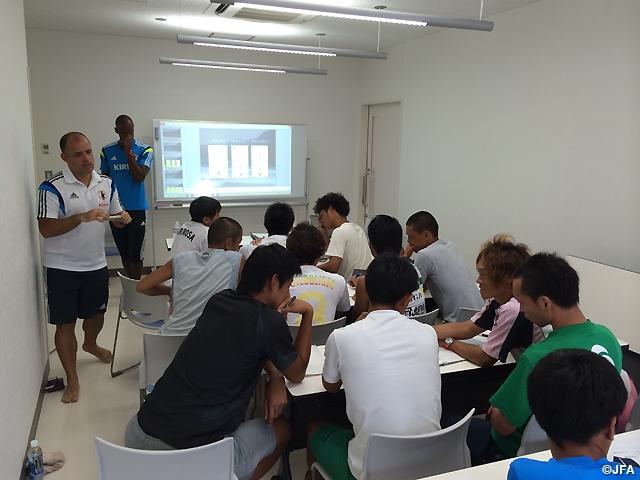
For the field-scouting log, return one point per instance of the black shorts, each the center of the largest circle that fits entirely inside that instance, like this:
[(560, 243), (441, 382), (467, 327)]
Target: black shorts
[(74, 295), (130, 239)]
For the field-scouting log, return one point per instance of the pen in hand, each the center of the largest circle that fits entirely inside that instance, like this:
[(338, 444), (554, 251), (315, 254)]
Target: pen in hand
[(293, 299)]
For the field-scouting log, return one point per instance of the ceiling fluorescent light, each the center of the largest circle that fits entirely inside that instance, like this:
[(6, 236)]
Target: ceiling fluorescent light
[(181, 62), (278, 47), (356, 13)]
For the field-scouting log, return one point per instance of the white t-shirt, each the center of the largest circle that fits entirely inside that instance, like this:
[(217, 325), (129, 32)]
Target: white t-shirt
[(247, 250), (451, 283), (326, 292), (197, 276), (61, 196), (191, 236), (390, 370), (350, 243)]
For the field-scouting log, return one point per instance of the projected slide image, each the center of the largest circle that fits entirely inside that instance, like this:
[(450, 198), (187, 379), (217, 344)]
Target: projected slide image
[(239, 161), (218, 161), (259, 161), (229, 160)]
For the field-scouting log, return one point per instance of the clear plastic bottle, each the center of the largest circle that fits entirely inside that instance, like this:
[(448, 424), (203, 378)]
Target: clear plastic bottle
[(36, 462), (176, 229)]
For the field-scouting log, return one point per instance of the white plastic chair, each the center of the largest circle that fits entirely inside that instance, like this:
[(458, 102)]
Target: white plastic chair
[(143, 311), (428, 318), (320, 332), (390, 457), (465, 314), (534, 438), (213, 462), (157, 353)]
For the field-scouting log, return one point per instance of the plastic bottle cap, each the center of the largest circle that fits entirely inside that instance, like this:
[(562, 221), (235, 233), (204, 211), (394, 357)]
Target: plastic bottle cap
[(34, 443)]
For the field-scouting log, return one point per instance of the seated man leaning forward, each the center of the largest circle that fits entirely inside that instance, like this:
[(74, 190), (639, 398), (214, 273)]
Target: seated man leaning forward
[(443, 269), (278, 220), (576, 397), (546, 287), (326, 292), (348, 248), (197, 276), (388, 365), (385, 236), (501, 315), (204, 393)]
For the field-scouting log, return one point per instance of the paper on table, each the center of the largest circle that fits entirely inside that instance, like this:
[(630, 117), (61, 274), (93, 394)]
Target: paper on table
[(625, 453), (447, 356), (475, 341), (316, 362)]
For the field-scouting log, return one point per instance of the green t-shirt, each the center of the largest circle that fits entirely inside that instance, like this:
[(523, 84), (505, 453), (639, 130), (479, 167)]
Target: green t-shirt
[(511, 398)]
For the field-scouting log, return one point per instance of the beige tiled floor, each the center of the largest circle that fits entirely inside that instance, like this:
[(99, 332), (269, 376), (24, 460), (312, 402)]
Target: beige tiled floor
[(106, 404)]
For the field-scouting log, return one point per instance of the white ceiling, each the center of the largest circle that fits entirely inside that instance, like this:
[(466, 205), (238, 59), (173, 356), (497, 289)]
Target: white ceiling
[(137, 18)]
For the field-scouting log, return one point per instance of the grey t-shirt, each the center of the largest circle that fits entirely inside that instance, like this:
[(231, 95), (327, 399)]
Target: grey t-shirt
[(197, 276), (448, 278)]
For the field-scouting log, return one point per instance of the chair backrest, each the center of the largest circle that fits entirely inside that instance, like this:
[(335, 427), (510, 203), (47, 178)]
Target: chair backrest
[(428, 318), (158, 353), (634, 417), (141, 308), (213, 461), (320, 332), (390, 457), (465, 314), (534, 438)]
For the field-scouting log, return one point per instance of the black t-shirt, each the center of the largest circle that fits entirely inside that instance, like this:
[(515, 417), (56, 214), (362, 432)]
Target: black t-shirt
[(520, 335), (203, 395)]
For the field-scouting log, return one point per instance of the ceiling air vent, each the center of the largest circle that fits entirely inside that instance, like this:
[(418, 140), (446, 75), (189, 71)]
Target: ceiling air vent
[(259, 15)]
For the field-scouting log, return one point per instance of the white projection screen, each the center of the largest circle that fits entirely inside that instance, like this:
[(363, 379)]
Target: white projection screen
[(232, 162)]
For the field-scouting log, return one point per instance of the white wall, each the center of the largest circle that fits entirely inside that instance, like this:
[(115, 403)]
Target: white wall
[(23, 340), (82, 82), (532, 129)]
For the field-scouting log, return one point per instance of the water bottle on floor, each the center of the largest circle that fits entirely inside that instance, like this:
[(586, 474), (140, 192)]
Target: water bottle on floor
[(176, 229), (36, 462)]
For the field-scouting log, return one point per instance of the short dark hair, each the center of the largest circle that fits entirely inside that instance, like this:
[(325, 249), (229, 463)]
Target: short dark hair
[(306, 243), (421, 221), (335, 200), (279, 218), (385, 234), (223, 228), (122, 119), (204, 207), (574, 394), (265, 262), (389, 278), (65, 138), (550, 275), (501, 256)]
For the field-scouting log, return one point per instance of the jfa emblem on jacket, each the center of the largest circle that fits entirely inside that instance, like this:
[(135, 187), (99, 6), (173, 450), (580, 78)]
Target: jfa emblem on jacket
[(102, 195)]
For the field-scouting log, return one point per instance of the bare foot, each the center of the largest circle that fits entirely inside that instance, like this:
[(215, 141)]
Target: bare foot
[(71, 393), (100, 353)]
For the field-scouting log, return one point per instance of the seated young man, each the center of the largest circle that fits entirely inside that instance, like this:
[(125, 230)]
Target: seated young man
[(508, 328), (576, 397), (326, 292), (385, 236), (546, 287), (388, 365), (278, 220), (348, 248), (197, 276), (193, 234), (443, 269), (204, 393)]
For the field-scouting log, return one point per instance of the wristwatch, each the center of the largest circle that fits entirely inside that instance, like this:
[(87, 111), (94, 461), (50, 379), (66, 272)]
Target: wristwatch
[(447, 342)]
